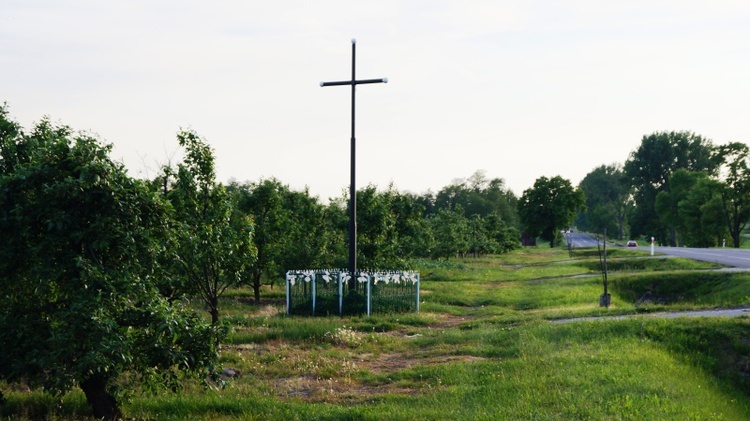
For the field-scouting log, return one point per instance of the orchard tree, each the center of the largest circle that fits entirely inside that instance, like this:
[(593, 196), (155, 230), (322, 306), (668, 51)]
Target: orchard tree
[(504, 237), (480, 241), (263, 201), (77, 264), (450, 230), (549, 207), (289, 230), (213, 240), (310, 242), (376, 229), (414, 236)]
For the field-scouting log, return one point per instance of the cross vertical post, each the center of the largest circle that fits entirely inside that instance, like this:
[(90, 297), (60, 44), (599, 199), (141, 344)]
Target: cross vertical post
[(353, 147)]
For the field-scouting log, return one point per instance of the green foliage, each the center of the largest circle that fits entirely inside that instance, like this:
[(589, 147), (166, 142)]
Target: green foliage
[(649, 169), (548, 207), (607, 201), (212, 240), (77, 265), (290, 231), (477, 195), (451, 232), (735, 194)]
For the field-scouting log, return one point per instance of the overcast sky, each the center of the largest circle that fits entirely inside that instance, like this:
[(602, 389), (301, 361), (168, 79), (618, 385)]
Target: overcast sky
[(520, 89)]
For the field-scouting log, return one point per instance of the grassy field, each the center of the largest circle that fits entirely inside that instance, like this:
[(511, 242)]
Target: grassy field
[(484, 346)]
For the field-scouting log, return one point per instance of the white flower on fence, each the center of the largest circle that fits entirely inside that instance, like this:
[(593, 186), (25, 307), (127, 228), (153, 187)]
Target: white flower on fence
[(308, 275)]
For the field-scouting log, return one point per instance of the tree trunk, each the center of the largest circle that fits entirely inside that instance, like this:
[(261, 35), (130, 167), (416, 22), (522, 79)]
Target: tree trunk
[(256, 287), (102, 403), (214, 310), (672, 236)]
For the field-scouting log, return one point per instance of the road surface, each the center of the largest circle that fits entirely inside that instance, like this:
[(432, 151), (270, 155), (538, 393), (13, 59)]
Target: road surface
[(578, 239), (737, 258), (726, 312)]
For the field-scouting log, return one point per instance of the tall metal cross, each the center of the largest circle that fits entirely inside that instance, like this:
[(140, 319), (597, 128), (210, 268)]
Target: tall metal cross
[(352, 188)]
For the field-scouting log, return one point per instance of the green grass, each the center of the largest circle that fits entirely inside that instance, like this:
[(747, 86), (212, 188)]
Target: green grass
[(483, 347)]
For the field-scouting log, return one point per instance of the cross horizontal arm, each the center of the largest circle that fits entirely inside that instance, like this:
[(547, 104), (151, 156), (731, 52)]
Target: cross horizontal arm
[(356, 82)]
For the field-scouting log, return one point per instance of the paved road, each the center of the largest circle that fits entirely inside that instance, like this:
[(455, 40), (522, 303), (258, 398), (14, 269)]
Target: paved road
[(581, 240), (726, 312), (737, 258)]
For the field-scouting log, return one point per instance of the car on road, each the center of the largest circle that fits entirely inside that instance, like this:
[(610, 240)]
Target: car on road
[(632, 243)]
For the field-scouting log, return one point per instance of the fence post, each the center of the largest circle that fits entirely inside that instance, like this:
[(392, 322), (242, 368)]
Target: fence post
[(288, 294), (312, 281), (417, 294), (341, 292), (368, 296)]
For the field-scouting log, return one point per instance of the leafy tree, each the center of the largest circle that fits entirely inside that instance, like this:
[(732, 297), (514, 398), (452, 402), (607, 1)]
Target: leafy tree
[(213, 241), (376, 225), (735, 175), (337, 222), (649, 168), (607, 199), (480, 241), (479, 196), (701, 214), (79, 303), (414, 236), (450, 229), (549, 206), (271, 222), (289, 230), (311, 241), (668, 201), (504, 237)]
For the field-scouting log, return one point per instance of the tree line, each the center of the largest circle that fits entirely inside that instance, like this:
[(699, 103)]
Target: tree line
[(677, 187)]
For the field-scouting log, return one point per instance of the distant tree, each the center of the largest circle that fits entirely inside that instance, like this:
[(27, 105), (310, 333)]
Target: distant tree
[(701, 213), (450, 230), (312, 241), (667, 204), (607, 199), (481, 196), (213, 241), (79, 303), (414, 236), (337, 222), (649, 168), (735, 176), (480, 241), (549, 207), (505, 237)]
